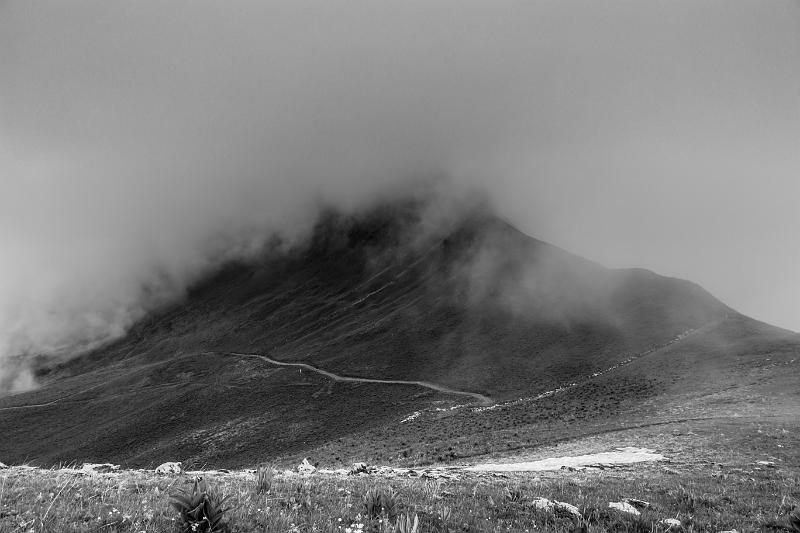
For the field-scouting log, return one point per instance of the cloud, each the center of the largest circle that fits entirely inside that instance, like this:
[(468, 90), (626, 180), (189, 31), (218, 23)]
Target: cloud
[(141, 144)]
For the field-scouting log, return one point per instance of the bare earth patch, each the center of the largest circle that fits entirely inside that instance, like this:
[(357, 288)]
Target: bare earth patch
[(622, 456)]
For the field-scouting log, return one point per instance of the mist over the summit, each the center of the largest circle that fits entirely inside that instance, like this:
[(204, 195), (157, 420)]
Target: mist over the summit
[(141, 145)]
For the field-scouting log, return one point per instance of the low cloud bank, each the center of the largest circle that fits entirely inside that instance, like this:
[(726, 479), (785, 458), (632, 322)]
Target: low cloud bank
[(143, 145)]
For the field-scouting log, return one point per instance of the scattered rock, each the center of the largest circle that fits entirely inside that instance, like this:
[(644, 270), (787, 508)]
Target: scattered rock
[(568, 508), (99, 468), (170, 468), (542, 504), (639, 504), (551, 506), (358, 468), (673, 524), (306, 467), (624, 507)]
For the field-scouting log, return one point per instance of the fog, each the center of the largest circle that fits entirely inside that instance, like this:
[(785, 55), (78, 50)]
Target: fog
[(143, 143)]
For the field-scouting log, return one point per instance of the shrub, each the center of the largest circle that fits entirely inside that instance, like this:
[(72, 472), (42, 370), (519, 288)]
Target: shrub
[(200, 509)]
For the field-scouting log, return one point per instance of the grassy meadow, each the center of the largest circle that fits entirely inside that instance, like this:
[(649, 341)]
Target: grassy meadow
[(711, 482)]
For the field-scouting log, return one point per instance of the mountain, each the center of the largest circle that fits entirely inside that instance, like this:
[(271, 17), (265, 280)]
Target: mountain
[(464, 303)]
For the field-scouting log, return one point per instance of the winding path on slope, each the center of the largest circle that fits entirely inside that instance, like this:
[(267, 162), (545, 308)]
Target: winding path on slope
[(484, 400)]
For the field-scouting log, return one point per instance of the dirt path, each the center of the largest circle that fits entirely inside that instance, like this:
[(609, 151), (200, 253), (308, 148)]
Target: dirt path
[(483, 400)]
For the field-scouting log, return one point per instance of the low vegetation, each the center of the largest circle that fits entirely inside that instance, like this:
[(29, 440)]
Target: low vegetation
[(200, 509), (703, 497)]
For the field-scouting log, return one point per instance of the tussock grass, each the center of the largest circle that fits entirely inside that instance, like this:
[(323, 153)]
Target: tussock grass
[(136, 501), (264, 476)]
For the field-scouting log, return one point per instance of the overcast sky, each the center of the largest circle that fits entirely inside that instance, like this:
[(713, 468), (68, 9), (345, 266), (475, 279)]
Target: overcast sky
[(140, 140)]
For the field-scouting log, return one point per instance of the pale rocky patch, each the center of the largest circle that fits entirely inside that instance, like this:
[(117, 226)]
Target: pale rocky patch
[(169, 468), (621, 456), (624, 507), (306, 467)]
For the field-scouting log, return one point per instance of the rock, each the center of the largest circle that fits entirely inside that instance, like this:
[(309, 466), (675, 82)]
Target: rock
[(551, 506), (542, 504), (624, 507), (672, 524), (170, 468), (567, 508), (358, 468), (3, 465), (639, 504), (306, 467), (729, 531), (768, 464), (98, 468)]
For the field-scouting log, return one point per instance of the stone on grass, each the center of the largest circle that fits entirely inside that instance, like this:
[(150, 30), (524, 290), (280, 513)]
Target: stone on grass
[(671, 523), (624, 507), (170, 468), (639, 504), (552, 506), (306, 467), (358, 468), (99, 468)]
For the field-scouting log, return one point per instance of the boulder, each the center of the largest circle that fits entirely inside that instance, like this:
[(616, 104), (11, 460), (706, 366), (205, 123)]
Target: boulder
[(170, 468), (624, 507), (673, 524), (3, 465)]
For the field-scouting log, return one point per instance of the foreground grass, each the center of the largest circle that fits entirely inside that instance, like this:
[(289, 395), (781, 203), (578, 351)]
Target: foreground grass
[(704, 497)]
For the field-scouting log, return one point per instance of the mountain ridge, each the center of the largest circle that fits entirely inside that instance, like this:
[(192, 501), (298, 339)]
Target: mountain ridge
[(470, 305)]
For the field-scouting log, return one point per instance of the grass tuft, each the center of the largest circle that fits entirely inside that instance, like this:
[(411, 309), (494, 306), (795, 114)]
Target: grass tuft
[(264, 476), (201, 509)]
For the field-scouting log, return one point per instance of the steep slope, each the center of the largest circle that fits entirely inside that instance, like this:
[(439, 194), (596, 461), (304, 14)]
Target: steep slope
[(481, 307), (472, 304)]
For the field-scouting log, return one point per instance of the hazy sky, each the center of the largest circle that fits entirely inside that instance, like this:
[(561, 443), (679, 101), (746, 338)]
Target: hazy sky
[(140, 141)]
